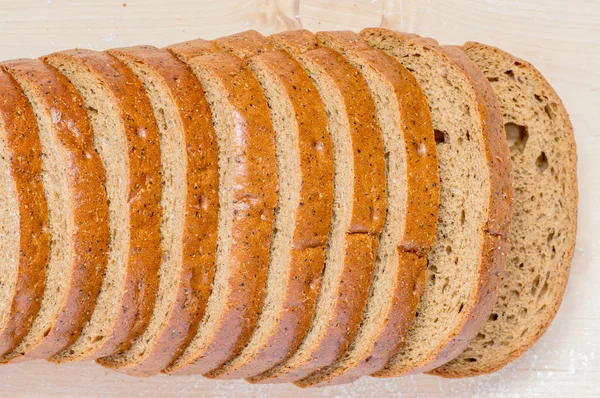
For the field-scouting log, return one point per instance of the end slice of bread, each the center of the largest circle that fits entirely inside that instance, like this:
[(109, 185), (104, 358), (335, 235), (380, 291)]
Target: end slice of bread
[(470, 246), (247, 201), (24, 228), (542, 239), (190, 205), (73, 178), (305, 198), (126, 138), (412, 207), (359, 207)]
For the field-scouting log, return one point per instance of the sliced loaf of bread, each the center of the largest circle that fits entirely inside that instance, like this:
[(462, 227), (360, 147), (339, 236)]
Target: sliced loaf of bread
[(470, 247), (126, 138), (412, 206), (24, 231), (190, 205), (358, 212), (305, 199), (543, 230), (74, 178), (247, 201)]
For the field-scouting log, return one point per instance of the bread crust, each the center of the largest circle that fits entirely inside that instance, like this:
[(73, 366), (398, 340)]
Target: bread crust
[(22, 143), (201, 202), (295, 307), (87, 202), (367, 218), (254, 202), (500, 361), (421, 208), (145, 211), (499, 210)]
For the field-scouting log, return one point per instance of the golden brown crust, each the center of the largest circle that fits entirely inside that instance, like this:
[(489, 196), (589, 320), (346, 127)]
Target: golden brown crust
[(194, 48), (145, 250), (422, 202), (199, 239), (449, 372), (254, 202), (87, 197), (313, 216), (22, 142), (493, 256), (245, 44), (368, 209)]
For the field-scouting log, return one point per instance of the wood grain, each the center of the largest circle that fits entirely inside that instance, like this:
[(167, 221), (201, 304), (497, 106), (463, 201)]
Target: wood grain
[(561, 38)]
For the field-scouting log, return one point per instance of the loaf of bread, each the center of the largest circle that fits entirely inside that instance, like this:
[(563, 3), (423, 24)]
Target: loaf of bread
[(304, 208)]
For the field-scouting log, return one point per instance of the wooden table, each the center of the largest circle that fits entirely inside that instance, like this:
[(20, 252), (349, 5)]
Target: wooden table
[(562, 38)]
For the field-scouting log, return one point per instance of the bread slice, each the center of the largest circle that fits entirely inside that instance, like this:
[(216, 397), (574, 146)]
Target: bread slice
[(305, 199), (73, 178), (544, 223), (190, 206), (359, 207), (470, 247), (247, 201), (126, 137), (24, 234), (412, 207)]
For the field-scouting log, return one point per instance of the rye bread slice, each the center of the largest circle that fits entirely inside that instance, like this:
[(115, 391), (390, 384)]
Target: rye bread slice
[(305, 198), (73, 178), (412, 207), (24, 232), (126, 137), (544, 223), (190, 206), (247, 201), (358, 213), (470, 248)]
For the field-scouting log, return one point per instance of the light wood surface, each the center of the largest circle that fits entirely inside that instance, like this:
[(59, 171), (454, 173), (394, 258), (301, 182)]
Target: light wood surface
[(561, 38)]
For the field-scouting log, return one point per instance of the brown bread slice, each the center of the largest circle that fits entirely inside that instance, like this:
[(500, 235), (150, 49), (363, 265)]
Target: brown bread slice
[(126, 137), (544, 223), (412, 206), (305, 200), (470, 247), (359, 207), (24, 233), (190, 206), (247, 201), (73, 178)]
